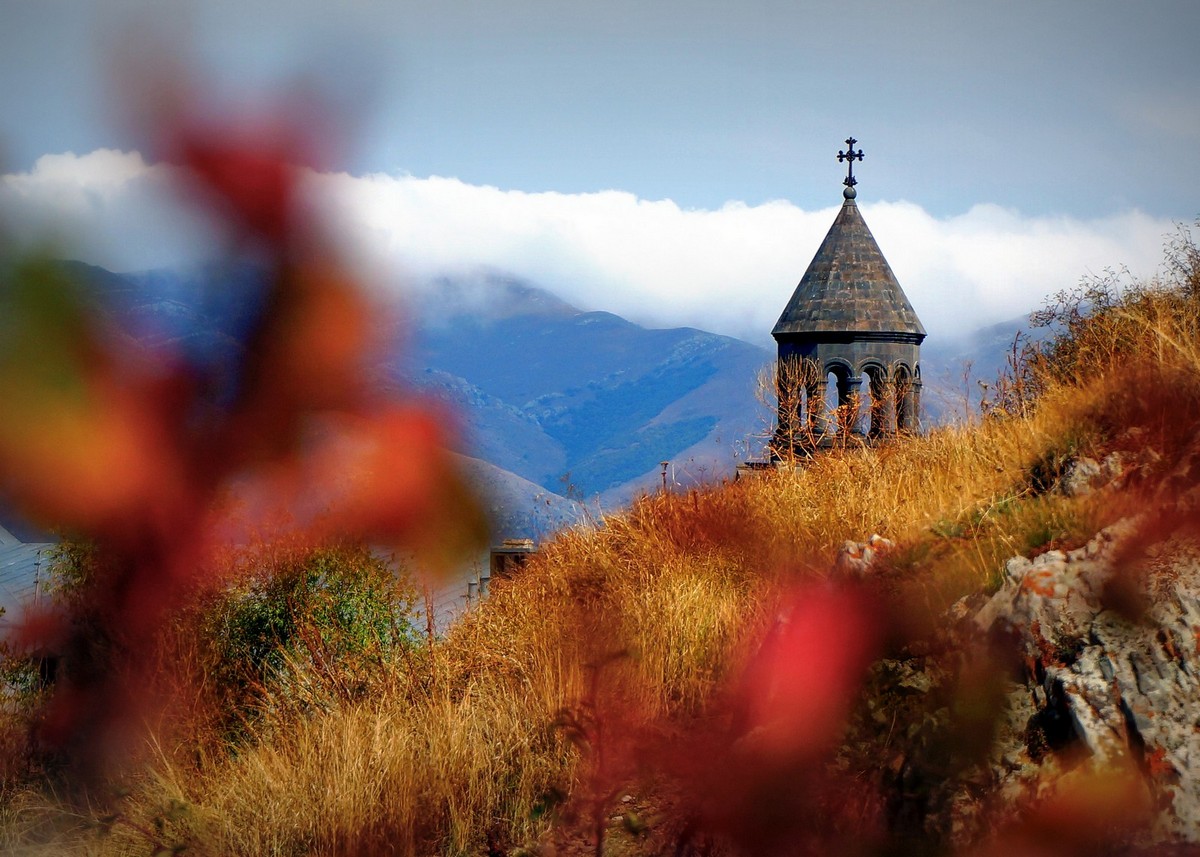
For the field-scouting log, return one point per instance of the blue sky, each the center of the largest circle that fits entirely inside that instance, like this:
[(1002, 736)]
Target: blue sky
[(1060, 136)]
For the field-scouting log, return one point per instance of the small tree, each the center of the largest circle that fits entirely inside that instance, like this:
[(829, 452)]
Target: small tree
[(1102, 324), (308, 624), (787, 388)]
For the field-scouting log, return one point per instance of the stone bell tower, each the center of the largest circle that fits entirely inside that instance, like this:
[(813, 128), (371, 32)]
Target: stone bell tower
[(849, 325)]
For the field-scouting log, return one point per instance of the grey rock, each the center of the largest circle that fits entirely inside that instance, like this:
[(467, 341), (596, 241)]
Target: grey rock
[(1085, 475), (1082, 475), (1129, 687), (856, 558)]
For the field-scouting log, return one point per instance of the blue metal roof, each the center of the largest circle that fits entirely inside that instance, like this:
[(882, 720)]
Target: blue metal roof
[(22, 567)]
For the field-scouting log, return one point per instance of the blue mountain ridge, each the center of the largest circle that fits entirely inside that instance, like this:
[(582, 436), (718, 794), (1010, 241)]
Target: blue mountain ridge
[(566, 413), (579, 403), (584, 402)]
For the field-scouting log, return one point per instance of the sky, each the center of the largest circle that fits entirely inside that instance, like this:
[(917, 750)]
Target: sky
[(672, 162)]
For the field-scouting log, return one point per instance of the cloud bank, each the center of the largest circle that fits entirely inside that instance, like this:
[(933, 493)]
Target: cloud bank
[(107, 208), (729, 270)]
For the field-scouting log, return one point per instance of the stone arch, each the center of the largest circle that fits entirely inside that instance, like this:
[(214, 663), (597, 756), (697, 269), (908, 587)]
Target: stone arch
[(873, 365), (839, 366), (878, 398), (842, 399), (905, 388), (796, 393)]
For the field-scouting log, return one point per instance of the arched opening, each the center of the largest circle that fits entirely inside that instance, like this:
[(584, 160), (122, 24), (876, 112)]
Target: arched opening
[(793, 382), (906, 400), (841, 400), (833, 401), (878, 402)]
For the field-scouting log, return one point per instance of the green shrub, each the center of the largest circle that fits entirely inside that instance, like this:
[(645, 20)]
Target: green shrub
[(277, 624), (309, 624)]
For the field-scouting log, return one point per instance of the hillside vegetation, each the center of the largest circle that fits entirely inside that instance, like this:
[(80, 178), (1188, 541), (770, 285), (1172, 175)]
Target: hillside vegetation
[(689, 676)]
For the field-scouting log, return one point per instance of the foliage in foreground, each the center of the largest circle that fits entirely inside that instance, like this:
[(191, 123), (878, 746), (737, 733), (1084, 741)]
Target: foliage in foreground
[(692, 654), (629, 660)]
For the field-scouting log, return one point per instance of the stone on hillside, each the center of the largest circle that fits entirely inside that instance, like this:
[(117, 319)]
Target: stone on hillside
[(1085, 475), (1131, 688), (855, 558), (1182, 487)]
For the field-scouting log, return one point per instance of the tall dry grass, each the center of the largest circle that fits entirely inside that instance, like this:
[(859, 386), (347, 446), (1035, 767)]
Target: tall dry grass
[(463, 742), (476, 742)]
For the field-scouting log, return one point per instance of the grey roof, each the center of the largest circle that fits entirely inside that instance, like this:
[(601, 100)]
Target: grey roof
[(20, 566), (848, 287)]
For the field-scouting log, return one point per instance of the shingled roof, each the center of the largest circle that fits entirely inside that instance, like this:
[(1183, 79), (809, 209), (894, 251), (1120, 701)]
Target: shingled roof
[(20, 564), (849, 287)]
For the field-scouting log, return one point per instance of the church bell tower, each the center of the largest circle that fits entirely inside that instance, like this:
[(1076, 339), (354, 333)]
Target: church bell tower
[(848, 328)]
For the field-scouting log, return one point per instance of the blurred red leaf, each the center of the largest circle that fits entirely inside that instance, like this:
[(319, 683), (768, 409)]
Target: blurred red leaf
[(127, 452), (799, 689), (251, 171)]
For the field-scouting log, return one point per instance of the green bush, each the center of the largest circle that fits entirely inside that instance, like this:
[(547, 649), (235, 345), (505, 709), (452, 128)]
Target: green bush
[(308, 625), (276, 624)]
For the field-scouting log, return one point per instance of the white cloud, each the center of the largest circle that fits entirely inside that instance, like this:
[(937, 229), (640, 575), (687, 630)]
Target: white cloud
[(103, 167), (991, 264), (730, 270), (107, 207)]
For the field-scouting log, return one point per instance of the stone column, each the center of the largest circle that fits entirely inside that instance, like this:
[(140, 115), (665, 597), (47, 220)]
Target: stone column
[(883, 401), (908, 393), (914, 413), (818, 420), (848, 403), (791, 389)]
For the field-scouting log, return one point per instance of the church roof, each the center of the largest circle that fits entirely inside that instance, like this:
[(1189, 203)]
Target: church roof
[(20, 566), (849, 286)]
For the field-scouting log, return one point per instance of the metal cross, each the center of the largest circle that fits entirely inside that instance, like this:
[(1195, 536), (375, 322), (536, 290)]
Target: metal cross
[(850, 155)]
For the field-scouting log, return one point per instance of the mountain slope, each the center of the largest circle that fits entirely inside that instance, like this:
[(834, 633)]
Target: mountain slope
[(956, 370), (589, 399), (576, 402)]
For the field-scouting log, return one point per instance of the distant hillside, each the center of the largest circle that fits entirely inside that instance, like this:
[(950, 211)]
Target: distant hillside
[(550, 390), (516, 507), (575, 402), (952, 368)]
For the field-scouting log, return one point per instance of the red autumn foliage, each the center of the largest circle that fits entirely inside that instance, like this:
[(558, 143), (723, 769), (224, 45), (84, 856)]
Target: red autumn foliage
[(763, 781), (799, 689), (128, 453)]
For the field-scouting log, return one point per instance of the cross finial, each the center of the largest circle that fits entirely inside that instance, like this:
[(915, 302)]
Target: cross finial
[(850, 155)]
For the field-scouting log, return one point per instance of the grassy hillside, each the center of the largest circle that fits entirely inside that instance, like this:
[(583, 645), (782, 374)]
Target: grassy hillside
[(549, 391), (680, 678)]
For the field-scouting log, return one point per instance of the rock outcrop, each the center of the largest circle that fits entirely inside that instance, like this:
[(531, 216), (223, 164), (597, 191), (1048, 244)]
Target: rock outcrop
[(1109, 636), (1096, 657), (1084, 475), (855, 559)]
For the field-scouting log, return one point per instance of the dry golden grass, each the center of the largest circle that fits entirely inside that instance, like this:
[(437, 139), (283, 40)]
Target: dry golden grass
[(653, 611), (462, 741)]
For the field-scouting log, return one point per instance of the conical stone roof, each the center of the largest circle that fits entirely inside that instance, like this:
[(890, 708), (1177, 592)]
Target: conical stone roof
[(849, 287)]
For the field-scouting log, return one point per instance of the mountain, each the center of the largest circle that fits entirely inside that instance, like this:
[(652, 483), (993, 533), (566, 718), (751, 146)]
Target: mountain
[(583, 402), (516, 507), (576, 403), (954, 370)]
